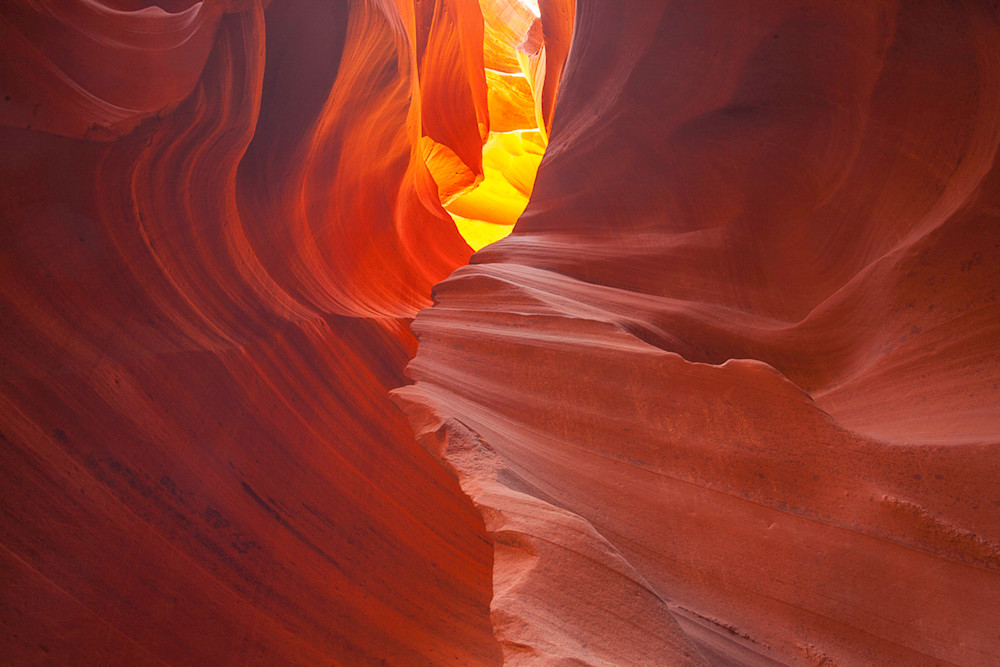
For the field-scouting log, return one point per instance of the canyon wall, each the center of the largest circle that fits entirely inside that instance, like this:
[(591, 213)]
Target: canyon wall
[(214, 217), (731, 386), (729, 393)]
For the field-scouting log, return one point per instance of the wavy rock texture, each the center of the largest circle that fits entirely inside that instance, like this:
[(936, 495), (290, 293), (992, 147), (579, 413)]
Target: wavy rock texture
[(736, 369), (213, 216), (728, 394)]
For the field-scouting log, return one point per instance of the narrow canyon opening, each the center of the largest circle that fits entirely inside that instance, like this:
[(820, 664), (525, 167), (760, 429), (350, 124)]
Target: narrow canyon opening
[(514, 65), (728, 394)]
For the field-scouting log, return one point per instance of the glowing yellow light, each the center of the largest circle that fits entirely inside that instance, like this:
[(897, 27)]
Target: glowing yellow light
[(479, 234), (487, 211)]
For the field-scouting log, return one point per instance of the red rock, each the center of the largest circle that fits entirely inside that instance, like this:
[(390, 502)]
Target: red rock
[(727, 395), (201, 463), (744, 337)]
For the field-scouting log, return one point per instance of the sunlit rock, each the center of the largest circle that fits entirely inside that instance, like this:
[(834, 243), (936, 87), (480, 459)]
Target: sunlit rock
[(719, 384)]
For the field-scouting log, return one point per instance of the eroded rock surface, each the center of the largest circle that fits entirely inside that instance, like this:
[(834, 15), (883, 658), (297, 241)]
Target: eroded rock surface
[(744, 338), (727, 395)]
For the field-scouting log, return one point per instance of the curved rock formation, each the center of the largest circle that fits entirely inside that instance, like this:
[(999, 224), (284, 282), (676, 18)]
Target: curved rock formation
[(740, 354), (727, 395), (201, 464)]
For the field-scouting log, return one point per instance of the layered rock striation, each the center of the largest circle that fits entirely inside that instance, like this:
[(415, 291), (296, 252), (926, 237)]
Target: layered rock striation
[(736, 369), (727, 395), (214, 217)]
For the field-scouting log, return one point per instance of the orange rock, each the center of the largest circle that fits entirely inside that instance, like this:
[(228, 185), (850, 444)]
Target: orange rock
[(201, 464), (727, 395), (743, 338)]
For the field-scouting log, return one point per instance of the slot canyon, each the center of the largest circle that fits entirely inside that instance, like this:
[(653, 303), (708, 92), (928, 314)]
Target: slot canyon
[(482, 332)]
